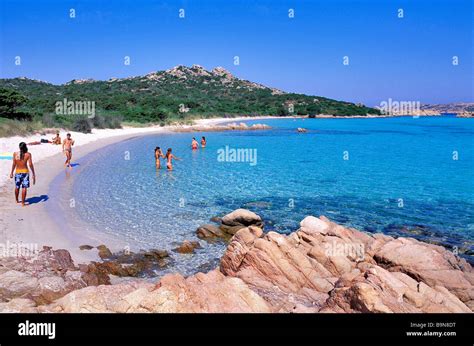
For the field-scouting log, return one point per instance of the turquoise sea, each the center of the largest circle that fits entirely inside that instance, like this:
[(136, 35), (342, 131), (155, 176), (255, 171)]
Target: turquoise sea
[(401, 176)]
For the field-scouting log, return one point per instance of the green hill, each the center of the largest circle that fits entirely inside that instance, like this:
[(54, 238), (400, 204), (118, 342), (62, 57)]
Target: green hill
[(179, 93)]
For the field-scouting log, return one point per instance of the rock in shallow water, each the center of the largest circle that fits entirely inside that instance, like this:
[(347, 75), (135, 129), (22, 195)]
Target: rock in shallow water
[(210, 232), (157, 254), (187, 247), (141, 264), (242, 217), (104, 252)]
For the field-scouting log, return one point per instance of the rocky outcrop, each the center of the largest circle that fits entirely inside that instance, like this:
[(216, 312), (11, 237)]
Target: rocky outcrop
[(219, 128), (238, 219), (128, 263), (211, 292), (187, 247), (50, 274), (321, 267), (324, 267), (104, 252), (44, 277), (229, 225), (211, 232)]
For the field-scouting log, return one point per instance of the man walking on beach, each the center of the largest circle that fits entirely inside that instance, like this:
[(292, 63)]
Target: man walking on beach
[(67, 149), (21, 161)]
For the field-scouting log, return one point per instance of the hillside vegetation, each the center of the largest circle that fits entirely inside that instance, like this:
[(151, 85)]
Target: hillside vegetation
[(177, 94)]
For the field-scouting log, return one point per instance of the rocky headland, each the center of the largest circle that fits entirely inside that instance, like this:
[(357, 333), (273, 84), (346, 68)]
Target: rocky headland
[(218, 128), (321, 267)]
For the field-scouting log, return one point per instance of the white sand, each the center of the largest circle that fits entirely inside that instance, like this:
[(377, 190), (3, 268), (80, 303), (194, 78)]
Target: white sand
[(45, 150)]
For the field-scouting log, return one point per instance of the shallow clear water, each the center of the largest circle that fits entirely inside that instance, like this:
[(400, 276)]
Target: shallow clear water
[(396, 176)]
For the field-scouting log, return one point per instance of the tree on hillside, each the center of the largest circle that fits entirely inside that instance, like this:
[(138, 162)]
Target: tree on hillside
[(10, 101)]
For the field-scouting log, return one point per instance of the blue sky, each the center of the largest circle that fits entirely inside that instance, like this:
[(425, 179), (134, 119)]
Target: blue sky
[(406, 58)]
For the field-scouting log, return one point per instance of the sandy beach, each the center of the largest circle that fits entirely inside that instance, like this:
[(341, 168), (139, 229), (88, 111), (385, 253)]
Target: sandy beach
[(32, 227)]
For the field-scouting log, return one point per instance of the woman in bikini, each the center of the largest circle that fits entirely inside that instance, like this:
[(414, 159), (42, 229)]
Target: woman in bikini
[(203, 142), (21, 161), (194, 144), (158, 155), (169, 157)]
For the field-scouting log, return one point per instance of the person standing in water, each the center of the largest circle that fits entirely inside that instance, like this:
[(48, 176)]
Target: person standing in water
[(194, 144), (67, 149), (203, 142), (169, 157), (158, 155), (21, 161)]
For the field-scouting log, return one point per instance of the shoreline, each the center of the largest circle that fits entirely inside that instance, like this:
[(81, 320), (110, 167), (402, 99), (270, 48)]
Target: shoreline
[(21, 224), (20, 227), (44, 151)]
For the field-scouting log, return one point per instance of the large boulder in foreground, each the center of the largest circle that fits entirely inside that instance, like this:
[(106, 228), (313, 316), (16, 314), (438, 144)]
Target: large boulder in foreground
[(321, 267), (43, 277), (324, 267), (211, 292), (430, 264)]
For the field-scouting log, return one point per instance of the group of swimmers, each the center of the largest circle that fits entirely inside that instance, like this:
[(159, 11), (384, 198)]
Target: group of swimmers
[(169, 155), (194, 143), (23, 163)]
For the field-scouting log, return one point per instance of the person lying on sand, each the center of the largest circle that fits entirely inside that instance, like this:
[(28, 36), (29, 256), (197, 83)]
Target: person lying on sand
[(194, 144), (169, 157), (41, 141), (158, 154), (21, 160), (203, 141), (55, 140), (67, 149)]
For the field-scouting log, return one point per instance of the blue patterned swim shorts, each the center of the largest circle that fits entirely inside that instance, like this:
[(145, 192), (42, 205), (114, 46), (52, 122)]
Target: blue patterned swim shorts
[(22, 180)]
